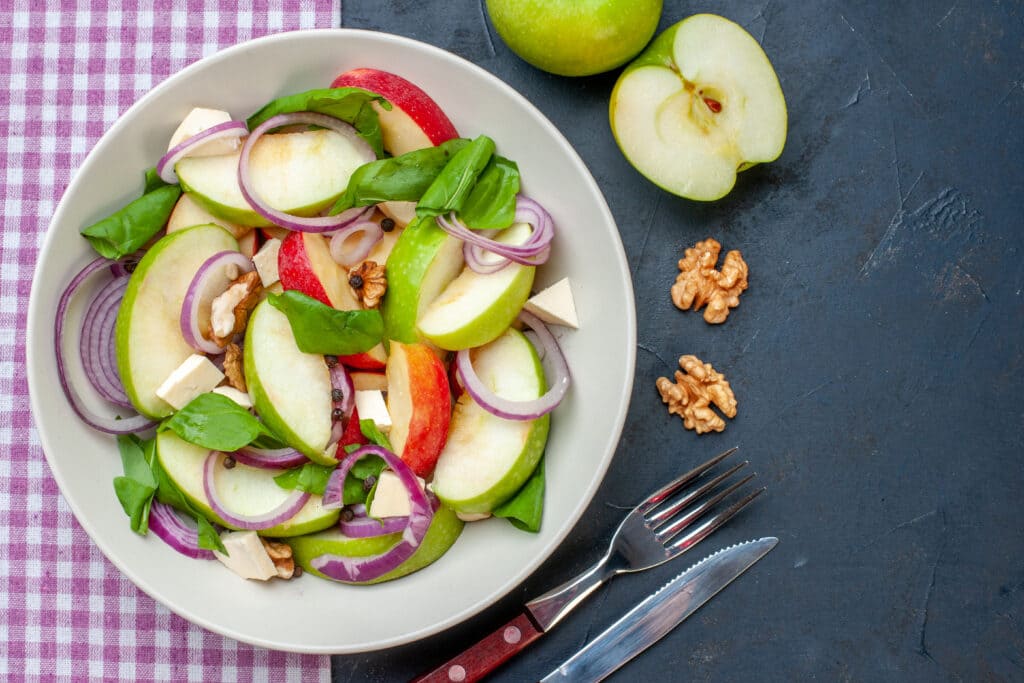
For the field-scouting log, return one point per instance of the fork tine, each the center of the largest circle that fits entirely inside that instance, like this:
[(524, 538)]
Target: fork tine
[(683, 479), (661, 516), (694, 537), (670, 530)]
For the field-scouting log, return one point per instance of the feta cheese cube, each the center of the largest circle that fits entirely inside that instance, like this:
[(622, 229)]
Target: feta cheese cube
[(371, 406), (246, 555), (239, 397), (265, 261), (197, 375), (390, 499), (555, 305), (198, 120)]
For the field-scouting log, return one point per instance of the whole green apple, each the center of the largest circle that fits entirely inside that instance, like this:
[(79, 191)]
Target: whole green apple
[(575, 37)]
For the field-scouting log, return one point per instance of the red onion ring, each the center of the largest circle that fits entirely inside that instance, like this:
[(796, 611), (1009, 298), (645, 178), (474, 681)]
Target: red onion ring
[(96, 343), (520, 410), (368, 527), (371, 234), (482, 261), (270, 458), (533, 252), (286, 220), (357, 569), (209, 282), (165, 523), (228, 129), (135, 423), (288, 508), (341, 382)]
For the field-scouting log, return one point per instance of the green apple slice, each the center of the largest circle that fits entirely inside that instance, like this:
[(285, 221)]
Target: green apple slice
[(488, 458), (699, 105), (148, 338), (243, 490), (300, 173), (290, 390), (444, 529), (475, 308), (422, 263)]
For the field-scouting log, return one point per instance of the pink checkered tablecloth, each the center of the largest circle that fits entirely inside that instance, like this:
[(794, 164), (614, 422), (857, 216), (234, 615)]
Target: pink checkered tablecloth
[(69, 68)]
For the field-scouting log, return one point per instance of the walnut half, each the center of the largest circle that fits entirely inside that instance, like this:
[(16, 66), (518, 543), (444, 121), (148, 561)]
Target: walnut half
[(368, 283), (229, 312), (692, 394), (699, 284), (281, 555)]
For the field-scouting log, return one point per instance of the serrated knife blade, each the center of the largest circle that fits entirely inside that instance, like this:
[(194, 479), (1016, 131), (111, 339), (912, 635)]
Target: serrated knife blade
[(660, 612)]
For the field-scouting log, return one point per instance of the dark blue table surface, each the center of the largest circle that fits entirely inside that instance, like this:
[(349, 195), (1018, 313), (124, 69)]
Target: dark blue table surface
[(877, 356)]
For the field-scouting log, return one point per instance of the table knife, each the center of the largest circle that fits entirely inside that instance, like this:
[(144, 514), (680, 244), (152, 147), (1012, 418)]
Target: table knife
[(661, 612)]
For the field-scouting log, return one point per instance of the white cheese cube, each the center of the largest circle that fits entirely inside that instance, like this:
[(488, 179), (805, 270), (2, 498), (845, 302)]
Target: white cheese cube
[(197, 375), (555, 305), (198, 120), (265, 261), (239, 397), (371, 406), (390, 498), (246, 555)]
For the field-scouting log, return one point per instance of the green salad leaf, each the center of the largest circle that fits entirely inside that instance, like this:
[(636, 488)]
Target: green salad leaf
[(126, 230), (525, 509), (492, 203), (153, 181), (352, 105), (318, 328), (454, 183), (401, 178), (136, 488), (309, 477), (216, 422)]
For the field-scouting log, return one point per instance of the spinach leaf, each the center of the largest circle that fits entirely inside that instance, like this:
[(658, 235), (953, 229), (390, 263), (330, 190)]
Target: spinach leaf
[(310, 477), (215, 422), (352, 105), (449, 190), (169, 494), (370, 431), (153, 181), (492, 203), (525, 509), (126, 230), (401, 178), (135, 489), (318, 328)]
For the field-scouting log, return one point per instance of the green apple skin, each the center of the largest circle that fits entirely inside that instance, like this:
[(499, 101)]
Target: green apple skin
[(720, 41), (476, 438), (424, 261), (183, 463), (147, 336), (444, 530), (575, 37), (265, 406)]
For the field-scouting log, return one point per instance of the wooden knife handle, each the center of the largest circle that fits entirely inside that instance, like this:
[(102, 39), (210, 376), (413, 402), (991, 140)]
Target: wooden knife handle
[(487, 655)]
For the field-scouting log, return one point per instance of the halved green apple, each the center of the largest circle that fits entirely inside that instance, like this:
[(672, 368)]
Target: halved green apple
[(299, 173), (699, 105), (488, 458), (444, 529), (243, 490), (475, 308), (291, 390), (424, 260), (148, 336)]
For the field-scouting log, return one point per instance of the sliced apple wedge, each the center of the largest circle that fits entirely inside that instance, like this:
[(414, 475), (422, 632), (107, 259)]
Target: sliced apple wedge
[(188, 212), (419, 403), (699, 105), (148, 336), (475, 308), (291, 390), (300, 173), (488, 458), (243, 490), (424, 261), (444, 530)]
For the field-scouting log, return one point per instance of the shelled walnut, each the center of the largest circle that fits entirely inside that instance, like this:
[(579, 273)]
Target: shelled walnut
[(281, 554), (368, 283), (692, 394), (229, 312), (699, 284), (234, 368)]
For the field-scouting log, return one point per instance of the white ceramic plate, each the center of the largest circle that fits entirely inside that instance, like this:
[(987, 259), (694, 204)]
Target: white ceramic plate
[(491, 558)]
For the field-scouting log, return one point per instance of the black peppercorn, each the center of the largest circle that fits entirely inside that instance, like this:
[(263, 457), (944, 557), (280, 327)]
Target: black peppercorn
[(331, 361), (337, 395), (337, 413), (387, 225), (355, 282), (346, 514), (229, 462), (369, 482)]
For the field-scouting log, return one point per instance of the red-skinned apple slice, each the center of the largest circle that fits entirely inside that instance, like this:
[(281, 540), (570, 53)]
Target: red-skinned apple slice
[(415, 121), (304, 264), (419, 403)]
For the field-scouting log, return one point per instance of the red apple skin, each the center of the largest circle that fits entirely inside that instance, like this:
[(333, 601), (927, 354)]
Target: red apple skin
[(404, 95), (431, 409), (352, 434)]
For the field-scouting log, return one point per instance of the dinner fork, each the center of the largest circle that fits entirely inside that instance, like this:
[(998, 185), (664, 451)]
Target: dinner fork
[(657, 530)]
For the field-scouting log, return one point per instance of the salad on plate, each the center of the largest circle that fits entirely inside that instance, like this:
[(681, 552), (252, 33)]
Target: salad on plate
[(314, 338)]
